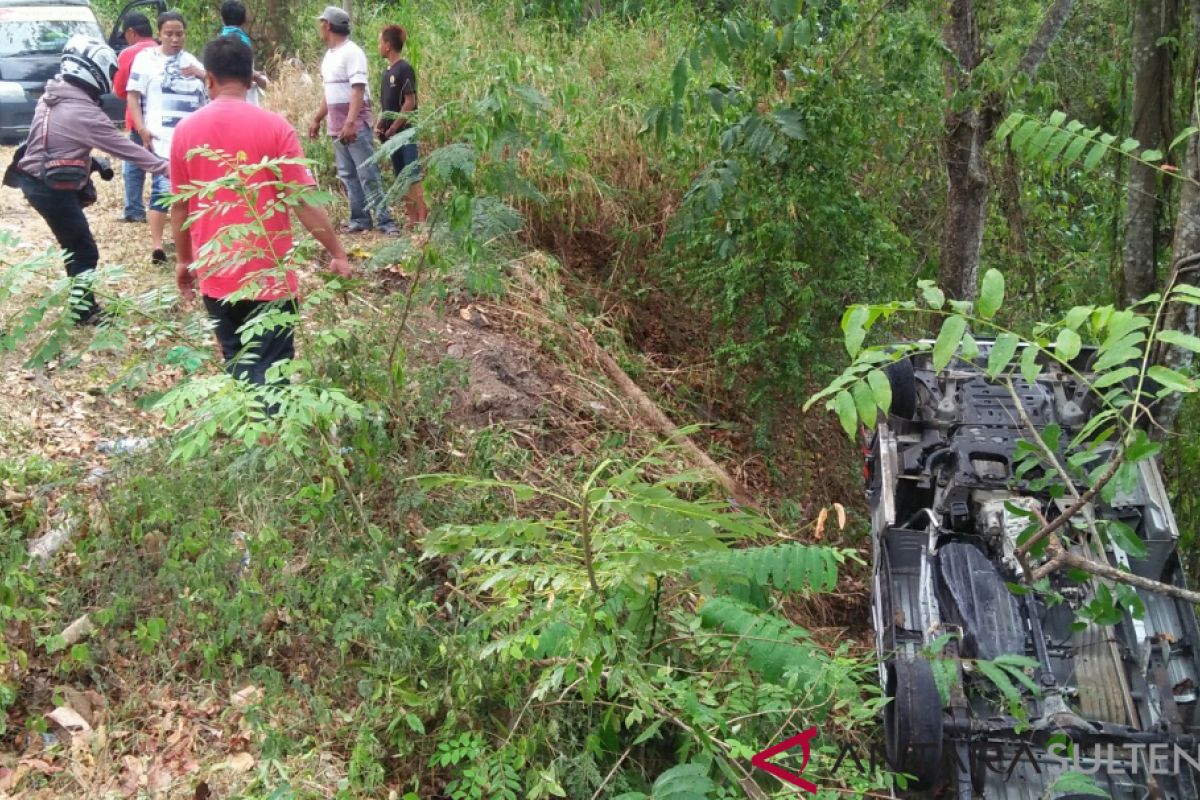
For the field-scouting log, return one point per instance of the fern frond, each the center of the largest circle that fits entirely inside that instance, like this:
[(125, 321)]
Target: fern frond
[(788, 567), (1060, 141), (772, 646)]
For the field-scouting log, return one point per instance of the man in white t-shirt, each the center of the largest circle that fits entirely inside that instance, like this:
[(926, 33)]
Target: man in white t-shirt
[(166, 83), (347, 104)]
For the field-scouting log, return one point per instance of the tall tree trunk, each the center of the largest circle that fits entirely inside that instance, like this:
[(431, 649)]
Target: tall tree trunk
[(1152, 20), (966, 173), (967, 134), (1185, 250)]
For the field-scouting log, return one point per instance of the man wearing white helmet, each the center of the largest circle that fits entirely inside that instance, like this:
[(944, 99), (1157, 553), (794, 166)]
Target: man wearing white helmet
[(67, 124)]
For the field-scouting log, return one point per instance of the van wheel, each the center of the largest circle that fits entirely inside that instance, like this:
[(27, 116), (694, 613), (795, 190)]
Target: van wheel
[(904, 388), (913, 722)]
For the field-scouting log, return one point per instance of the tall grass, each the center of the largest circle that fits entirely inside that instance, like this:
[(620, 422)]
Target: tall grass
[(599, 80)]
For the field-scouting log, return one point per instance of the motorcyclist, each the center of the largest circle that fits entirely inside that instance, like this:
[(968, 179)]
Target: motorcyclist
[(54, 170)]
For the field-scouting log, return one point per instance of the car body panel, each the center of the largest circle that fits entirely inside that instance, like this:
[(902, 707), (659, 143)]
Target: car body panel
[(24, 70)]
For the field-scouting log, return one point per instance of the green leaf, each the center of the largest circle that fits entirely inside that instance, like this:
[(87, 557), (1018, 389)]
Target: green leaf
[(1124, 537), (1030, 369), (791, 123), (1023, 135), (1180, 339), (1009, 125), (1000, 680), (934, 296), (1075, 149), (1077, 316), (1039, 142), (1152, 156), (1186, 133), (679, 79), (854, 328), (1114, 377), (1068, 344), (1052, 436), (1095, 156), (949, 338), (1002, 353), (1171, 379), (991, 294), (970, 347), (882, 389), (864, 402), (843, 406), (684, 782), (1129, 145), (1141, 447)]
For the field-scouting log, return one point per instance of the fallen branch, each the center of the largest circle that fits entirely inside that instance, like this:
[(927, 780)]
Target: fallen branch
[(1061, 557), (654, 416)]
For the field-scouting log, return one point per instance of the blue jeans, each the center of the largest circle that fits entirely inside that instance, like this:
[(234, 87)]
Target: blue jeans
[(364, 187), (160, 189), (64, 215), (135, 185), (408, 154)]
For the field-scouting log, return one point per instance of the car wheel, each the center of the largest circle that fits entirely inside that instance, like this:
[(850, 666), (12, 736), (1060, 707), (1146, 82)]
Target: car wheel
[(913, 722), (904, 388)]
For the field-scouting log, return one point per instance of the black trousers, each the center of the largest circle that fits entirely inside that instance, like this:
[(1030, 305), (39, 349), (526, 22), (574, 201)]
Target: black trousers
[(64, 214), (251, 360)]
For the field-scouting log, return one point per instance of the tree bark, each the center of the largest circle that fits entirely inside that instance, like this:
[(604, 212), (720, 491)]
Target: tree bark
[(1052, 25), (1185, 250), (967, 132), (1152, 20), (966, 173)]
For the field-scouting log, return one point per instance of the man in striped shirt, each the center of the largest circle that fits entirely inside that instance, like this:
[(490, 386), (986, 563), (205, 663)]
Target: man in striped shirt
[(166, 83)]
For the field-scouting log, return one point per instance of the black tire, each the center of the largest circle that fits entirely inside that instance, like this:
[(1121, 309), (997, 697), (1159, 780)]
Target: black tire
[(904, 388), (913, 722)]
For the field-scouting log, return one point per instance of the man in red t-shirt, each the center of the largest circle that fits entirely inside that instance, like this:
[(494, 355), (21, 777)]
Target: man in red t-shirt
[(240, 273), (138, 36)]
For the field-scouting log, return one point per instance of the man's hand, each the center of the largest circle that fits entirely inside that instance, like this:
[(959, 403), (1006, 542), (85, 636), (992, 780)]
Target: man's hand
[(147, 138), (192, 71), (341, 266), (185, 281), (349, 132), (314, 129)]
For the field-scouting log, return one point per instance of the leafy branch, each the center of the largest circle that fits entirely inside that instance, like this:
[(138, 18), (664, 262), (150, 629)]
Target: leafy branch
[(1059, 141)]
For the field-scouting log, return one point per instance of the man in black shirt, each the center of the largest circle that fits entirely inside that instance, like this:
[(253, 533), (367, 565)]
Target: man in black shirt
[(398, 98)]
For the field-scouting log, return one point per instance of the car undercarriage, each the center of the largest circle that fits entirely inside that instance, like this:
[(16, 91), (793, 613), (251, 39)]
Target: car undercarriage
[(1112, 698)]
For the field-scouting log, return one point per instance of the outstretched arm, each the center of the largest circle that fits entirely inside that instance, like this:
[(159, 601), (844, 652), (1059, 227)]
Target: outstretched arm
[(185, 279), (316, 221)]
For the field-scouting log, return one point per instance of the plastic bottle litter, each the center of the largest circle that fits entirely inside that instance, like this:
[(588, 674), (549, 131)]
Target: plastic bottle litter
[(45, 546), (239, 539), (130, 444)]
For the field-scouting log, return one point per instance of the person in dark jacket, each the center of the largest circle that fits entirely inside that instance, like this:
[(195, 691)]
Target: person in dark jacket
[(67, 124)]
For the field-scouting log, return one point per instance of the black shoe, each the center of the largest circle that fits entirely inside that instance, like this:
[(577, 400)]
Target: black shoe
[(95, 316), (159, 256), (131, 219)]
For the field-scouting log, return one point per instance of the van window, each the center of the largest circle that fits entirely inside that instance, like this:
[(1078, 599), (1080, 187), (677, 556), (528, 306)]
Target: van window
[(43, 30)]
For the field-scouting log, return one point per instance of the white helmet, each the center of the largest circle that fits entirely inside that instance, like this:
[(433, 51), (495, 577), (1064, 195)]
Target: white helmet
[(91, 61)]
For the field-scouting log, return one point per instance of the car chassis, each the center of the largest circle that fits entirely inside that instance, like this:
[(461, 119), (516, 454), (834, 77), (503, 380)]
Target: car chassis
[(1117, 702)]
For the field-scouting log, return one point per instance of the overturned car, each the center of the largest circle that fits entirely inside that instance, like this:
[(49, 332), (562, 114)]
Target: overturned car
[(1000, 689)]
